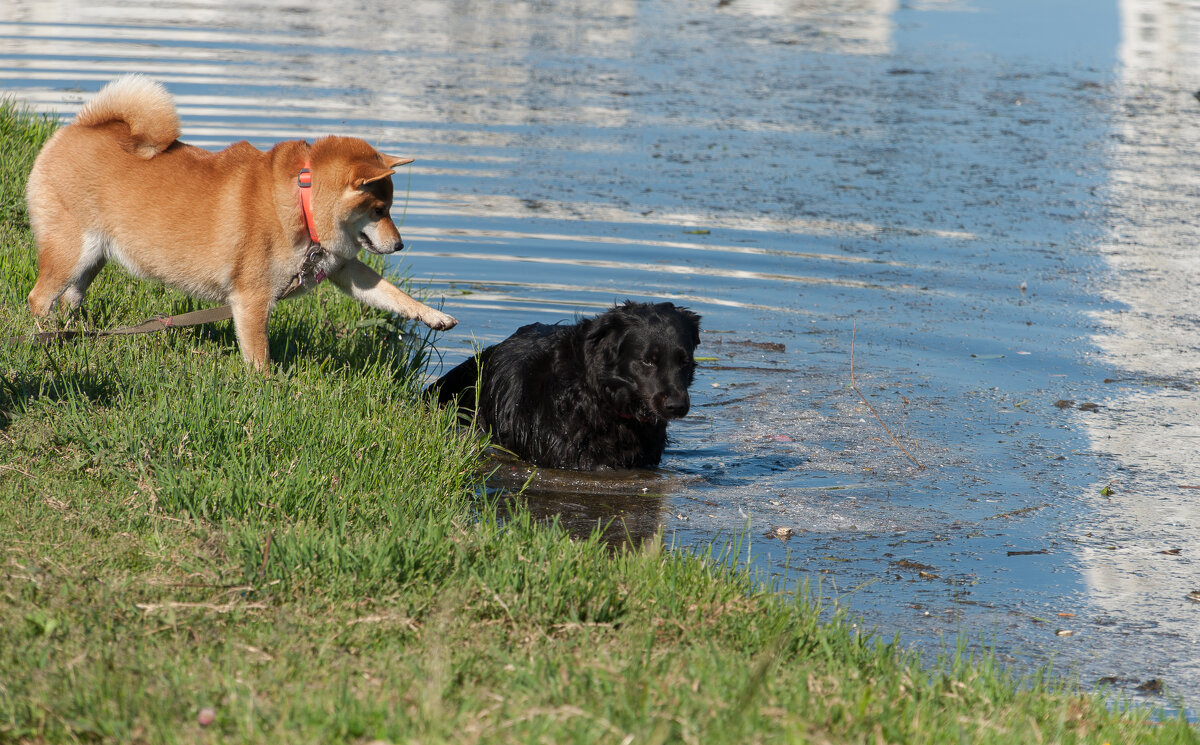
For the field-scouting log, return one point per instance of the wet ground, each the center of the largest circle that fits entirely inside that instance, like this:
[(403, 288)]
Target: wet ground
[(990, 205)]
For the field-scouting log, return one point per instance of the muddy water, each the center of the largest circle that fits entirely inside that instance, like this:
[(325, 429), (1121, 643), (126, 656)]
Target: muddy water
[(989, 205)]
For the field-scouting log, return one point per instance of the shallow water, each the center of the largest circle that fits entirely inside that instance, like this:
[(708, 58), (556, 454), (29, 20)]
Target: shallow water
[(989, 204)]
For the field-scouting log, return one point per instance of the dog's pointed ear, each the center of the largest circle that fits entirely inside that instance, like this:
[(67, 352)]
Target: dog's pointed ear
[(367, 177), (394, 161)]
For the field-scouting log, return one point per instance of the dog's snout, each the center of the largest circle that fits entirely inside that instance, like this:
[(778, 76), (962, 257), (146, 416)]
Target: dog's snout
[(391, 247), (381, 237), (676, 406), (380, 247)]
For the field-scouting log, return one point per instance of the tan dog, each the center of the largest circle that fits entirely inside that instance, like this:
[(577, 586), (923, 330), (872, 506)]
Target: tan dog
[(233, 226)]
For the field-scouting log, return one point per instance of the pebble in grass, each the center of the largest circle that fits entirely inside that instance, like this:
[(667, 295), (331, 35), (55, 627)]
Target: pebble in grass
[(206, 716)]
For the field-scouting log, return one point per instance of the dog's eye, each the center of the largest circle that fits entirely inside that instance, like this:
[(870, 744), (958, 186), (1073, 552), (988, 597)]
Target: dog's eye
[(380, 212), (649, 363)]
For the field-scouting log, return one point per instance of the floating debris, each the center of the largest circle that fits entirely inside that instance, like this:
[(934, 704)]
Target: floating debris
[(908, 564), (1154, 685)]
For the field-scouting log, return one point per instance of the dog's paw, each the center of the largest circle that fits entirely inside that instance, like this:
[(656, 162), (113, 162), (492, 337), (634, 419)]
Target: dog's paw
[(438, 321)]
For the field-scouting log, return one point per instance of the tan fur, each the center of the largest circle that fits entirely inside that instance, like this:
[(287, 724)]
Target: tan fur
[(225, 226)]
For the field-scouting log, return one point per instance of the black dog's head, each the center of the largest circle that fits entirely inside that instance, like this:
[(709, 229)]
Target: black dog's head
[(640, 356)]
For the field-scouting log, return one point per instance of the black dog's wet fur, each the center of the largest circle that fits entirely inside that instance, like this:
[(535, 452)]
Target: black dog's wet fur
[(594, 394)]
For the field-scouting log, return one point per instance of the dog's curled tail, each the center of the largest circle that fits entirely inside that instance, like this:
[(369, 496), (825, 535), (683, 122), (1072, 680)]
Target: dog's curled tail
[(143, 104)]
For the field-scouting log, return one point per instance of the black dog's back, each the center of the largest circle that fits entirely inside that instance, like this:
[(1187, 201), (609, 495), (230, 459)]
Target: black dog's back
[(525, 349), (584, 395)]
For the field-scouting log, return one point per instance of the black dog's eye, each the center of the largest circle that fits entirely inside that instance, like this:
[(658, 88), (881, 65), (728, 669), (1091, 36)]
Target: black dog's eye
[(380, 212), (649, 362)]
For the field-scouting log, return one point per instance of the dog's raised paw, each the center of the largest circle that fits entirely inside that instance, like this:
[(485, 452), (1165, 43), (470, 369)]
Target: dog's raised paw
[(439, 321)]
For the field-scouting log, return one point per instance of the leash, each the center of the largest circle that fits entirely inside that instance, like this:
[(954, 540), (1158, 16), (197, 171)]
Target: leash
[(205, 315), (150, 325)]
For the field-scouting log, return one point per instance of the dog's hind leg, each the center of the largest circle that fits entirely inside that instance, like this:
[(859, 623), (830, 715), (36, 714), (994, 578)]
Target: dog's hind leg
[(52, 281), (68, 261), (72, 297)]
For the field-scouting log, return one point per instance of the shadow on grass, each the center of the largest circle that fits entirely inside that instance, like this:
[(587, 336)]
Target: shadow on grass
[(54, 380), (96, 370), (400, 346)]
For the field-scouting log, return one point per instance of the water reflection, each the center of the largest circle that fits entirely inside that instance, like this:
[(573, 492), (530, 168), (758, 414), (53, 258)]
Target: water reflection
[(627, 507), (1137, 548)]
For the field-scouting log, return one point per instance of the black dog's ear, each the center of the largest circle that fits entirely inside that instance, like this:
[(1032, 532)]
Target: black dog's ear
[(602, 345), (693, 323)]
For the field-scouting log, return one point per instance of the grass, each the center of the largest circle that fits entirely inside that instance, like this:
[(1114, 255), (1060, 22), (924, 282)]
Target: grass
[(304, 557)]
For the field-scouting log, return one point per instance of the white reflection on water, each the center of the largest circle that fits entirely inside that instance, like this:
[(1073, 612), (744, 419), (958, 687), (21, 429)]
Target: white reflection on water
[(501, 206), (661, 268), (509, 235), (1150, 426)]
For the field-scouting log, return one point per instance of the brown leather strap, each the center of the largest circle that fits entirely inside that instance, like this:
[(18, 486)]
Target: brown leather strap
[(150, 325)]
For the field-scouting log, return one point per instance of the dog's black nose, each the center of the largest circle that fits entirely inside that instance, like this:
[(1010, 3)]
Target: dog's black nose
[(676, 406)]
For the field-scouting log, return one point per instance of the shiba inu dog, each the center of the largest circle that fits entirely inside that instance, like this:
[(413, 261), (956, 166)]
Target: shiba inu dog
[(240, 226)]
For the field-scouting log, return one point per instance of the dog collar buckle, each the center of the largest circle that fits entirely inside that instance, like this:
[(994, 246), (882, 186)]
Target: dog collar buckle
[(310, 265)]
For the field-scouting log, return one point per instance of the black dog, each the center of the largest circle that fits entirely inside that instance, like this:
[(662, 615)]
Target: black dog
[(595, 394)]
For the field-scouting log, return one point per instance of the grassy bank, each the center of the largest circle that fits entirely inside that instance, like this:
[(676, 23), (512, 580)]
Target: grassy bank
[(301, 556)]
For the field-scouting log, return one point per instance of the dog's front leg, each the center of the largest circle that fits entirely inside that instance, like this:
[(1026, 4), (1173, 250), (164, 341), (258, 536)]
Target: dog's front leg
[(250, 316), (364, 284)]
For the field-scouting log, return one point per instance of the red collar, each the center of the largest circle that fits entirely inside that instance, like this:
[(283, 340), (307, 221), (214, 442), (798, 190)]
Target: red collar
[(305, 183), (623, 415)]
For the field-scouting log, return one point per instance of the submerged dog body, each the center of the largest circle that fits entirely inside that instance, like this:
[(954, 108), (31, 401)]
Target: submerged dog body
[(227, 226), (594, 394)]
